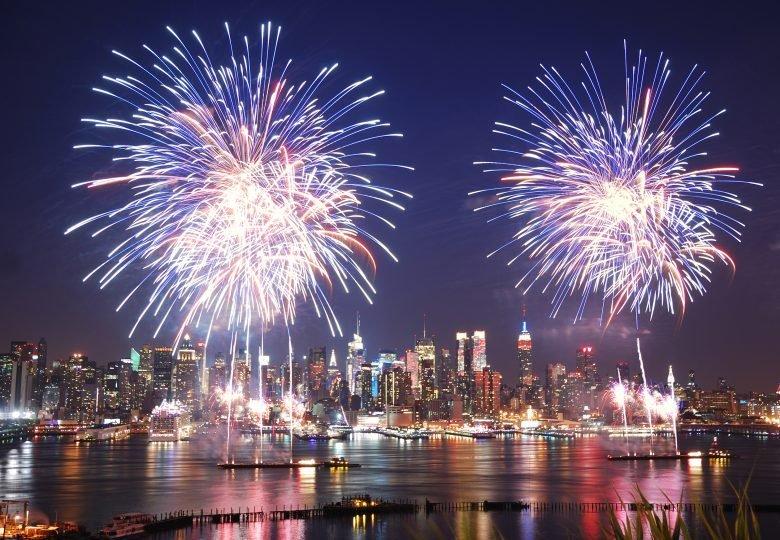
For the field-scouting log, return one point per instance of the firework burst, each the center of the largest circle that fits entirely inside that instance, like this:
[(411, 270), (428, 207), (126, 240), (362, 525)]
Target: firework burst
[(246, 193), (624, 207)]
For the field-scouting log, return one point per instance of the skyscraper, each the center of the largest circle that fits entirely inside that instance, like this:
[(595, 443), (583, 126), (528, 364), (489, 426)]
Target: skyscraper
[(185, 376), (487, 400), (524, 355), (162, 373), (462, 339), (479, 348), (146, 367), (315, 373), (426, 365), (554, 385), (356, 356)]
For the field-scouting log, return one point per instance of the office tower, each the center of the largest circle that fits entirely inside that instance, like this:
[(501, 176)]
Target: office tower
[(356, 356), (218, 374), (462, 340), (185, 378), (395, 388), (242, 373), (479, 348), (447, 371), (111, 386), (556, 380), (315, 373), (146, 367), (43, 355), (365, 387), (333, 383), (7, 361), (487, 399), (524, 355), (425, 349), (586, 365), (127, 387), (135, 359), (74, 386), (412, 361), (161, 373)]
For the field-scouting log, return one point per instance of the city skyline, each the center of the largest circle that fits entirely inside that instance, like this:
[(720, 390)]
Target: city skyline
[(441, 245)]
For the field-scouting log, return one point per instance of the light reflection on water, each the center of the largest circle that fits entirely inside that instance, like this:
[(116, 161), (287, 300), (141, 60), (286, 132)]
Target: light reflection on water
[(89, 483)]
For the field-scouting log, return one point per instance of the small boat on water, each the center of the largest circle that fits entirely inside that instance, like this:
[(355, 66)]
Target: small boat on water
[(126, 525)]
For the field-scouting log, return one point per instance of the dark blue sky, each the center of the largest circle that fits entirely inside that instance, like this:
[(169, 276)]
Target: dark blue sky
[(441, 66)]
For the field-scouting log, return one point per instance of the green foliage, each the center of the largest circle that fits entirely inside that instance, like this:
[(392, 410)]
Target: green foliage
[(659, 524)]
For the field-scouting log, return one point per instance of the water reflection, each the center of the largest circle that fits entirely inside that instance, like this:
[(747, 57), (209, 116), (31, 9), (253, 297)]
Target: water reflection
[(89, 483)]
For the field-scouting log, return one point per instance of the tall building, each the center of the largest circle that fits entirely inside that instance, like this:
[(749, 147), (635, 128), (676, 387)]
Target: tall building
[(586, 365), (554, 387), (315, 373), (146, 367), (185, 380), (365, 387), (524, 355), (356, 356), (463, 342), (487, 399), (395, 388), (162, 373), (7, 361), (479, 348), (426, 365), (412, 361), (333, 382), (218, 374)]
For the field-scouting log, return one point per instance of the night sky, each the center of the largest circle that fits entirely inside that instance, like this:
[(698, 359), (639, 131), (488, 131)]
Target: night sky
[(442, 68)]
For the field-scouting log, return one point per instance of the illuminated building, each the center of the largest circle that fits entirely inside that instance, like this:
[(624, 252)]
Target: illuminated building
[(356, 356), (146, 367), (395, 388), (479, 348), (111, 386), (524, 355), (242, 373), (315, 373), (412, 362), (185, 376), (333, 383), (462, 339), (447, 371), (162, 372), (365, 387), (7, 362), (218, 374), (135, 359), (487, 398), (554, 385), (425, 349), (587, 387)]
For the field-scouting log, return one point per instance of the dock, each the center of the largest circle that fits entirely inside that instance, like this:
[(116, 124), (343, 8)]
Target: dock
[(366, 505)]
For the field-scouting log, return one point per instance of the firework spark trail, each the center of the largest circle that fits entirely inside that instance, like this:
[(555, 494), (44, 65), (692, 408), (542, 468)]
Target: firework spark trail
[(617, 207), (248, 192)]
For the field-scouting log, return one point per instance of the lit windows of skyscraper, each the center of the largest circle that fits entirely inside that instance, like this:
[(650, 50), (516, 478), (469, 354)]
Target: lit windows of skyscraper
[(556, 380), (524, 355), (463, 342), (412, 361), (185, 376), (356, 356), (162, 373), (479, 347), (7, 361), (146, 367), (315, 373), (487, 398)]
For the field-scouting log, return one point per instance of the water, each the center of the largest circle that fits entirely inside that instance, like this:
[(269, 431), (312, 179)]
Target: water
[(89, 483)]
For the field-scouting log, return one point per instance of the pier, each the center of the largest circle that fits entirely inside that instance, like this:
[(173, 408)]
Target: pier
[(365, 505)]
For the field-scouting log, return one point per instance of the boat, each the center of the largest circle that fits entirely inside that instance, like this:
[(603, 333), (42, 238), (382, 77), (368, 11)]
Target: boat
[(330, 434), (169, 422), (338, 463), (126, 525), (333, 463), (714, 452)]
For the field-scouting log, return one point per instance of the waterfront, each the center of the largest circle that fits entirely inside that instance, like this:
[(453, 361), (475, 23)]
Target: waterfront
[(89, 483)]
